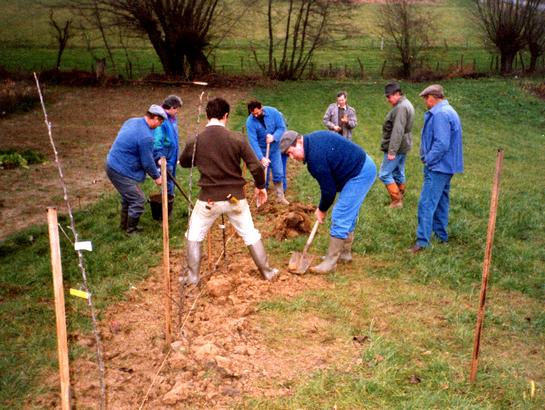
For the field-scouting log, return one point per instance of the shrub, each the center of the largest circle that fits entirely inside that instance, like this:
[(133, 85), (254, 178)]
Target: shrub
[(16, 96), (11, 158)]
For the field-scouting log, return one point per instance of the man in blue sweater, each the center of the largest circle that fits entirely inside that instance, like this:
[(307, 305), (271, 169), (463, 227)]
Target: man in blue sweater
[(442, 156), (339, 165), (128, 162), (265, 126), (166, 138)]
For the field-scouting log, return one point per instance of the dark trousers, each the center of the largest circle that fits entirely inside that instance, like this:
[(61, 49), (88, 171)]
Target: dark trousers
[(132, 197)]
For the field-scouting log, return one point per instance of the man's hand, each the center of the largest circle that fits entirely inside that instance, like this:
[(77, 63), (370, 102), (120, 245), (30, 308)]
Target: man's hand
[(337, 128), (261, 196), (344, 119), (269, 139), (320, 216), (391, 157), (158, 181), (265, 162)]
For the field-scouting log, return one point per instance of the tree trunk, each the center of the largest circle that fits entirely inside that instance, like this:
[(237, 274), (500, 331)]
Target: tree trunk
[(198, 64), (506, 64)]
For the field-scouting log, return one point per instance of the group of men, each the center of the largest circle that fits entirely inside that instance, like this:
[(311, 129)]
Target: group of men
[(339, 165)]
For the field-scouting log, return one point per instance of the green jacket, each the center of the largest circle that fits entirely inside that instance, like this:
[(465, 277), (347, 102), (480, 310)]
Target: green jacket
[(396, 131)]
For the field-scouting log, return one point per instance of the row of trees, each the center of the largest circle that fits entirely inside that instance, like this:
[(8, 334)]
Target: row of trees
[(183, 33)]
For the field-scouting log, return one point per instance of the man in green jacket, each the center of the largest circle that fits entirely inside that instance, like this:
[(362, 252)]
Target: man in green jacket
[(396, 143)]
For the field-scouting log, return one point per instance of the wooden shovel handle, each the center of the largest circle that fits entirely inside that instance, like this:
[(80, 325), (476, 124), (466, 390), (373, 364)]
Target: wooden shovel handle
[(311, 236)]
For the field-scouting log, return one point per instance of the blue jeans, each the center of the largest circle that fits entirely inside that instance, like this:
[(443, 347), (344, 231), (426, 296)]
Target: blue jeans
[(433, 207), (132, 197), (284, 167), (276, 162), (346, 210), (393, 171), (170, 182)]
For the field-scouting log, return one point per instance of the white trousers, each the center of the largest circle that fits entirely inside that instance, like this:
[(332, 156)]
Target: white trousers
[(204, 214)]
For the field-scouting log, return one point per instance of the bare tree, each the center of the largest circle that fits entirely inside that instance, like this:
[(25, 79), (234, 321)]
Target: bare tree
[(62, 34), (504, 23), (535, 34), (409, 28), (180, 31), (307, 26)]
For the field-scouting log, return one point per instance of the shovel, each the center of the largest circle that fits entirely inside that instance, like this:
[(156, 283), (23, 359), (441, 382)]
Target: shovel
[(180, 188), (258, 204), (300, 262)]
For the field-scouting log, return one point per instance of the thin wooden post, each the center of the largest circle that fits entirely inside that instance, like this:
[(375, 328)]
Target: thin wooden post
[(166, 253), (486, 265), (209, 250), (62, 343)]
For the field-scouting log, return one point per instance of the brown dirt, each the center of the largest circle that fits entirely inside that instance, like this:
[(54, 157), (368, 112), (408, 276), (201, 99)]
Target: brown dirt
[(85, 122), (221, 351)]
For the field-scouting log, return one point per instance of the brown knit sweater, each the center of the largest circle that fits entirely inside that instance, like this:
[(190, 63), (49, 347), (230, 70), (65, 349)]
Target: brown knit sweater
[(217, 157)]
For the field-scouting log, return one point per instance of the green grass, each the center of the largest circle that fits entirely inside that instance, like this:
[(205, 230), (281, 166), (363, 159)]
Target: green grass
[(32, 46), (428, 300)]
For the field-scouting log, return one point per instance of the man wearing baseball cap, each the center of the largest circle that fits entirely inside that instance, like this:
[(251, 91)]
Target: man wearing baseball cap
[(396, 143), (129, 160), (339, 165), (441, 153)]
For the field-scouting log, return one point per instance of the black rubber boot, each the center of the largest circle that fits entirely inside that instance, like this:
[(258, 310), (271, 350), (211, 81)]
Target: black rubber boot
[(123, 223), (132, 225)]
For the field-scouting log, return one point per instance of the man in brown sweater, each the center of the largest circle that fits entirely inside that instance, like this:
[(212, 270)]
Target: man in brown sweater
[(217, 153)]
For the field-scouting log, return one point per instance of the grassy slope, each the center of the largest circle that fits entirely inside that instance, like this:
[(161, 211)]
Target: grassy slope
[(32, 46), (443, 282)]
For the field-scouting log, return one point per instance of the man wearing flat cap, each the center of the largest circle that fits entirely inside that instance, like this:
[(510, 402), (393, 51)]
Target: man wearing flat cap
[(396, 143), (441, 153), (166, 138), (129, 160), (339, 165)]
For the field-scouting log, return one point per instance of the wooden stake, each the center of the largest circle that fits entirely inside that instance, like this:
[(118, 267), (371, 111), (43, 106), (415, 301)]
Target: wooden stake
[(166, 252), (209, 242), (62, 343), (486, 266)]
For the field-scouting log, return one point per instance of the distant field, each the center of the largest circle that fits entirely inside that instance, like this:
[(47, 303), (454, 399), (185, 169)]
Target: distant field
[(28, 43)]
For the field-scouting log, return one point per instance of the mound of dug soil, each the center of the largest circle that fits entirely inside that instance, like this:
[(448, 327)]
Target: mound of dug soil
[(291, 222)]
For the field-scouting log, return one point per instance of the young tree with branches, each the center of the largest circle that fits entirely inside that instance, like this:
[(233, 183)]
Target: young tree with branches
[(535, 34), (409, 27), (62, 34), (306, 25)]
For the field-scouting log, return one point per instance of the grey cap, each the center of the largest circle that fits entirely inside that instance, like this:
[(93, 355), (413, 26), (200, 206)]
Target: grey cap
[(173, 101), (391, 88), (288, 140), (435, 89), (157, 110)]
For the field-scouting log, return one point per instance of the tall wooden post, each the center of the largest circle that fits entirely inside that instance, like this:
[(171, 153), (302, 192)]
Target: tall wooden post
[(486, 266), (166, 252), (62, 343)]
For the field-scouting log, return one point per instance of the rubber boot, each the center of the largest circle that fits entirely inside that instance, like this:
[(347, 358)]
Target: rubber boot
[(395, 196), (279, 189), (257, 250), (132, 225), (193, 257), (346, 253), (401, 190), (124, 221), (336, 246)]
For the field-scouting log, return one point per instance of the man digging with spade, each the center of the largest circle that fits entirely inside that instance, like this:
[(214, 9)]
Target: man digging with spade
[(341, 166), (217, 153)]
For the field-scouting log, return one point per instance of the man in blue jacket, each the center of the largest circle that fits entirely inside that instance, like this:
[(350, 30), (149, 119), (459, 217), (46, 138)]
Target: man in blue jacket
[(128, 162), (441, 153), (339, 165), (265, 125), (166, 138)]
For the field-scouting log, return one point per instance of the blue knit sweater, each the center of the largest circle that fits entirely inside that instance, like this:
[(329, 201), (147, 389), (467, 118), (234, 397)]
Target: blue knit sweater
[(332, 160), (131, 154)]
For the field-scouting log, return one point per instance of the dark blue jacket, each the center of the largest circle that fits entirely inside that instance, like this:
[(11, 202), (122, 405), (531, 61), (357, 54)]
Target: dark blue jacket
[(332, 160), (131, 154)]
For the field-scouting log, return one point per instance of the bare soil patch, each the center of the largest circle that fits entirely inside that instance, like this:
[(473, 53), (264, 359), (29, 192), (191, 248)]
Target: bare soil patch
[(85, 122)]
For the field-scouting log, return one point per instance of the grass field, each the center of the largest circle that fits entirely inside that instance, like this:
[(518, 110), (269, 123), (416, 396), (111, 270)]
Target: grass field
[(433, 295), (32, 47)]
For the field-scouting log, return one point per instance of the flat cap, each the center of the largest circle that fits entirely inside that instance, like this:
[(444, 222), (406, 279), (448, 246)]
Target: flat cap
[(157, 110), (288, 140), (435, 89), (391, 88)]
